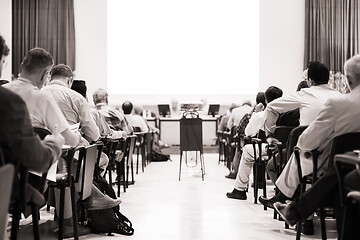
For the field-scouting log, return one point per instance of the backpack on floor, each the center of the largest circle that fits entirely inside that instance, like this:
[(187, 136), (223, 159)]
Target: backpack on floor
[(157, 156), (109, 221)]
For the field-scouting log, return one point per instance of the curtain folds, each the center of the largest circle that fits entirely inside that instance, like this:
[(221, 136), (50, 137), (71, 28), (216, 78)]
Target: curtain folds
[(48, 24), (331, 31)]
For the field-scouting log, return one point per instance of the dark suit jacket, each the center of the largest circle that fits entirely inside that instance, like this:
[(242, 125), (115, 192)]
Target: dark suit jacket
[(17, 138), (19, 144)]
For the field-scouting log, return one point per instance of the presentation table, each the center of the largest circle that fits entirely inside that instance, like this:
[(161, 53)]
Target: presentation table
[(170, 130)]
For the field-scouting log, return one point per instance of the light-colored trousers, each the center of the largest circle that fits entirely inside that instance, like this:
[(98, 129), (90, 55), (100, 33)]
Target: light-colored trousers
[(246, 163), (288, 180)]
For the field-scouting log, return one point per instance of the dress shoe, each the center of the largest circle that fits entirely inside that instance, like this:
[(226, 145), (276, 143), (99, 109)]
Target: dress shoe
[(287, 212), (236, 194), (103, 202), (267, 202), (307, 227), (231, 175), (68, 231)]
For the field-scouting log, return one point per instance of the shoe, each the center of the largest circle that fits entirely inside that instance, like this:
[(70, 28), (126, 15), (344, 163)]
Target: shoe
[(231, 175), (307, 227), (236, 194), (267, 202), (104, 202), (260, 185), (287, 213), (68, 231)]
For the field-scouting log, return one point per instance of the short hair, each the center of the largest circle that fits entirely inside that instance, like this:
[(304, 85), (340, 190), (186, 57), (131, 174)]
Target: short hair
[(37, 59), (351, 67), (4, 49), (232, 106), (138, 109), (302, 84), (246, 102), (273, 93), (61, 70), (100, 96), (318, 72), (260, 98), (80, 87), (127, 107)]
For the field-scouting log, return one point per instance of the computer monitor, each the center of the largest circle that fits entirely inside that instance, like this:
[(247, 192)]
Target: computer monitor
[(214, 109), (164, 109)]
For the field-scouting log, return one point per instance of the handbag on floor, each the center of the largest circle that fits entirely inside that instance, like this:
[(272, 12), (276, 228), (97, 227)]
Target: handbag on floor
[(109, 221)]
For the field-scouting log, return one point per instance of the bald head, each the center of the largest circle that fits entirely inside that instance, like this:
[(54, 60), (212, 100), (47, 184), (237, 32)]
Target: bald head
[(352, 71)]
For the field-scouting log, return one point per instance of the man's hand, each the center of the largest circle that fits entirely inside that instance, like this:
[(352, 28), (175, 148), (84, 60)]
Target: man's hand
[(272, 140), (83, 143), (259, 107), (58, 139)]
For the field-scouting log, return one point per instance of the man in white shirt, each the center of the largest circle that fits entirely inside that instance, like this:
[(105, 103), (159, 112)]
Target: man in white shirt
[(134, 120), (312, 103), (308, 100), (43, 110), (238, 113), (74, 106), (256, 123)]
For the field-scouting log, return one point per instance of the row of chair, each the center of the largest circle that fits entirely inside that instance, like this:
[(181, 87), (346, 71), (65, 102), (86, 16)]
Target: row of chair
[(79, 175), (283, 149)]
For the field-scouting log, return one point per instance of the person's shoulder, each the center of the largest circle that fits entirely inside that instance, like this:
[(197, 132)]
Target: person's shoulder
[(6, 95)]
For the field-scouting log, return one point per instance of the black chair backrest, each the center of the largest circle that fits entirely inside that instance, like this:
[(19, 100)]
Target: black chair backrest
[(292, 140), (282, 133), (344, 143), (261, 135)]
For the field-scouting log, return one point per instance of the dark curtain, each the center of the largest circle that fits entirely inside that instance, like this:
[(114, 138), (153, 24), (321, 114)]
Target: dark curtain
[(331, 31), (48, 24)]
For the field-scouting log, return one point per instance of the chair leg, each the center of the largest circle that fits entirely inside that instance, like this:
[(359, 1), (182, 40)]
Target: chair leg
[(127, 176), (74, 211), (322, 223), (263, 173), (143, 161), (118, 173), (256, 172), (137, 160), (15, 221), (181, 153), (61, 212), (35, 221), (298, 230), (110, 174), (132, 172), (202, 166)]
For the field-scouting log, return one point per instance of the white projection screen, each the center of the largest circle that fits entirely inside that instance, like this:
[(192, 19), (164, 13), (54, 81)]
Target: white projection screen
[(183, 47)]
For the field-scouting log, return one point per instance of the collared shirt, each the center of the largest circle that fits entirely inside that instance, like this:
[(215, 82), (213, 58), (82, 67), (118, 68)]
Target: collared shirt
[(137, 121), (44, 111), (237, 114), (255, 124), (308, 100), (74, 107), (114, 118)]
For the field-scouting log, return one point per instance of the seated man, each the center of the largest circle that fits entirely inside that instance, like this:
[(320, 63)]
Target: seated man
[(240, 129), (337, 117), (224, 119), (105, 131), (256, 123), (325, 189), (44, 111), (115, 118), (74, 106), (134, 120), (238, 113)]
